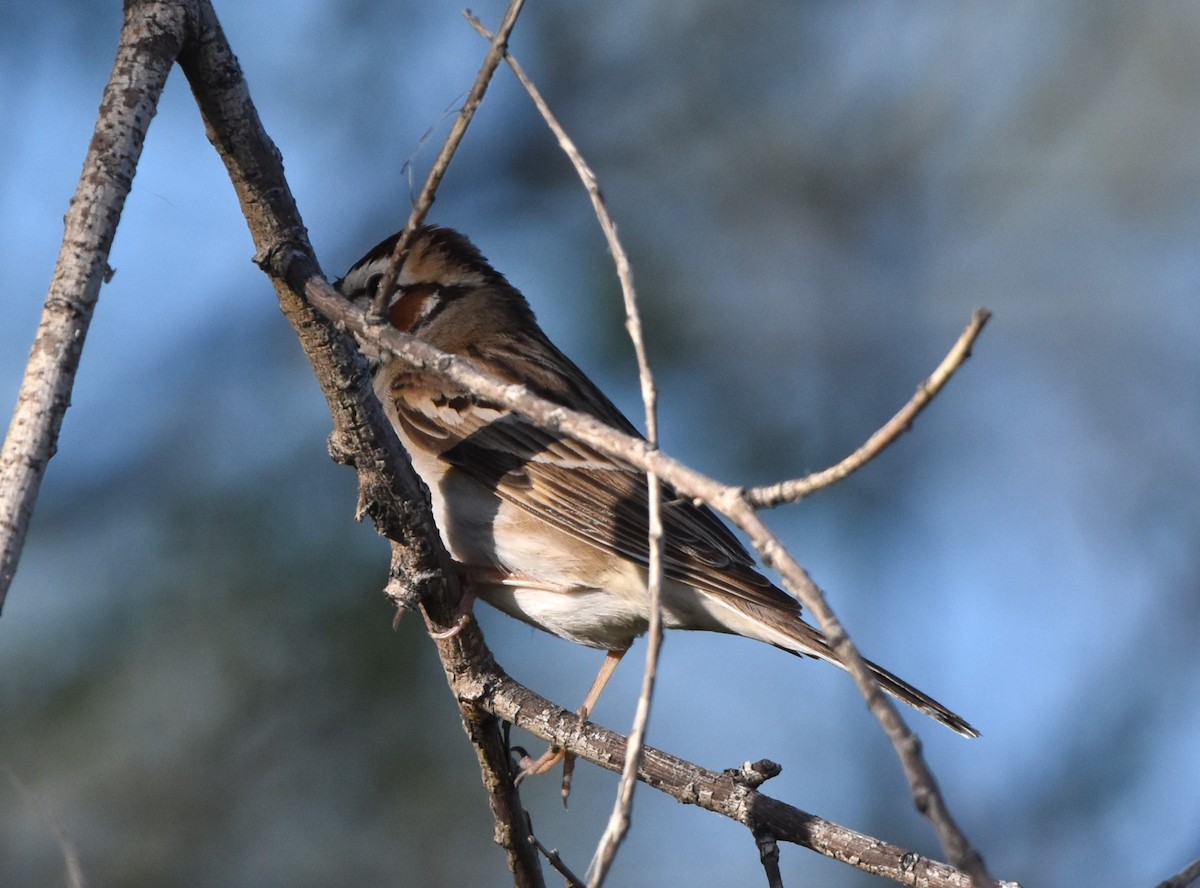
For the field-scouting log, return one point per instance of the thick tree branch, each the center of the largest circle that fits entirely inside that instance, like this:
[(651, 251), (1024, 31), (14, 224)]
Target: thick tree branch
[(144, 57), (389, 491), (722, 793)]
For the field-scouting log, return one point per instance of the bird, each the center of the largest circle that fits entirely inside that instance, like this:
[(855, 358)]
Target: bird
[(542, 526)]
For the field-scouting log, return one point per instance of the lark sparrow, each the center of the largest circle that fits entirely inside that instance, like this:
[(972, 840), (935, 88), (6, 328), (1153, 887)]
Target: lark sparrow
[(548, 530)]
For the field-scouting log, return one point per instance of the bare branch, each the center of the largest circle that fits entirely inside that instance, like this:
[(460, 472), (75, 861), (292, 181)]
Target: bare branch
[(389, 491), (620, 258), (722, 793), (796, 490), (421, 208), (618, 824), (921, 782), (511, 822), (768, 853), (555, 861), (397, 502), (145, 55), (1189, 874)]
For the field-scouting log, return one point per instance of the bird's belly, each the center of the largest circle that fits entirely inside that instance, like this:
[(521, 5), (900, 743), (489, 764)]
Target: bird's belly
[(591, 617), (563, 585), (531, 570)]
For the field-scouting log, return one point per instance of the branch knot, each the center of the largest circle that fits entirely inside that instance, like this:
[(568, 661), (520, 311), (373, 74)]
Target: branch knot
[(752, 775)]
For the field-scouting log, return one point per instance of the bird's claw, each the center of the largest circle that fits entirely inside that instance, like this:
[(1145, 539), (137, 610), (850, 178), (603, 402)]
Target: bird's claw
[(528, 767), (454, 629), (462, 613)]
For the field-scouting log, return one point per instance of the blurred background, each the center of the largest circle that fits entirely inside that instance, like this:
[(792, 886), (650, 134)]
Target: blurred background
[(200, 682)]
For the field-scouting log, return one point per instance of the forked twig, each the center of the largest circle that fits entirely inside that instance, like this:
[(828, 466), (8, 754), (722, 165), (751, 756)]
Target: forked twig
[(458, 129), (797, 489), (618, 823)]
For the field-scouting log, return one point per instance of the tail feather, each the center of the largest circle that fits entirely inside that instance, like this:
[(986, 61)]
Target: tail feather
[(817, 646), (906, 693), (781, 625)]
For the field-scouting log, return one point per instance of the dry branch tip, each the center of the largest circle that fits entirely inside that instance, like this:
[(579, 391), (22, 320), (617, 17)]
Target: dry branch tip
[(752, 775)]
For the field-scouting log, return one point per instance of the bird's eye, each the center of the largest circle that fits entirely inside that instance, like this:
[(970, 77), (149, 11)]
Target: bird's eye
[(372, 285)]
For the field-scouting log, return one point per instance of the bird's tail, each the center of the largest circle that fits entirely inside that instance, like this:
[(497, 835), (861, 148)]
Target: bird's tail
[(813, 643), (903, 691), (783, 627)]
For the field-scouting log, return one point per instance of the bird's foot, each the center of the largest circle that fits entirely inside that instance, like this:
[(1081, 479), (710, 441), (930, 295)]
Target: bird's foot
[(551, 757), (462, 613)]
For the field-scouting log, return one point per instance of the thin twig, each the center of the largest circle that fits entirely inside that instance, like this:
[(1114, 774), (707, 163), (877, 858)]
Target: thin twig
[(458, 129), (1188, 875), (555, 861), (618, 823), (795, 490)]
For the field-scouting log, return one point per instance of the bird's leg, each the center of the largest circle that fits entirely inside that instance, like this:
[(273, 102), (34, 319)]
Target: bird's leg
[(611, 659), (555, 754)]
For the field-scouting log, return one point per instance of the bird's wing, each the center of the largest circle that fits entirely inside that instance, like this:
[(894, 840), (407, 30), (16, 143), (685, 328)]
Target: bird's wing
[(563, 481)]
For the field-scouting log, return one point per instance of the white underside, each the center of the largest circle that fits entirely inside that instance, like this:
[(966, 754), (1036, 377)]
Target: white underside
[(537, 573)]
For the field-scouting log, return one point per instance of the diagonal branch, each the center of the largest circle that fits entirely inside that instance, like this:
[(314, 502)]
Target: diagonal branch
[(144, 58), (1189, 875), (389, 490), (724, 793)]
